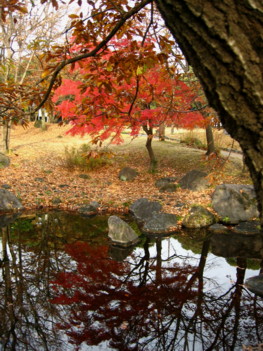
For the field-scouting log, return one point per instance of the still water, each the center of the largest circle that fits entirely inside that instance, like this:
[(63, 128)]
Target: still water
[(64, 287)]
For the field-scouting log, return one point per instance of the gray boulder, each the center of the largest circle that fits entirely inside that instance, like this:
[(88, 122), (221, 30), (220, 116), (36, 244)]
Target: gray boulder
[(164, 181), (89, 209), (235, 203), (127, 174), (120, 232), (169, 188), (160, 223), (8, 201), (143, 209), (194, 180), (198, 217), (4, 161), (255, 284)]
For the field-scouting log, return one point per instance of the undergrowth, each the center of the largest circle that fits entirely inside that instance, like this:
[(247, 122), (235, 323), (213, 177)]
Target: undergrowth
[(85, 158)]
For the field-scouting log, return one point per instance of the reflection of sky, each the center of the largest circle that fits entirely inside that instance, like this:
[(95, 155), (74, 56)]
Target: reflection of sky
[(217, 269)]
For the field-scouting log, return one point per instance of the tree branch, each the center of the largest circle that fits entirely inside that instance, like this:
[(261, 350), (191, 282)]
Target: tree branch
[(93, 52)]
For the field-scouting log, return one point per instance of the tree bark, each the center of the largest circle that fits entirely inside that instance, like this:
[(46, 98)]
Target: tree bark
[(162, 132), (153, 161), (222, 40), (210, 141)]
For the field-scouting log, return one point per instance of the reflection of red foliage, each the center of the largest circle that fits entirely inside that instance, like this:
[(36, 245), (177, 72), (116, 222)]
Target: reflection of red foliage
[(106, 301)]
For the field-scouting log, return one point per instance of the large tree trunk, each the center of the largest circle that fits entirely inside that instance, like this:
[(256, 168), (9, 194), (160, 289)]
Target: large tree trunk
[(222, 40)]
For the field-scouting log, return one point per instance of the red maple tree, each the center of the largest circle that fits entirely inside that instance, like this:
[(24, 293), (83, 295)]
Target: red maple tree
[(119, 90)]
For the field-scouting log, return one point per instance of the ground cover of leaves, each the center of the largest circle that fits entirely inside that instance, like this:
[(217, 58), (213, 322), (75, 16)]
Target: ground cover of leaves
[(38, 176)]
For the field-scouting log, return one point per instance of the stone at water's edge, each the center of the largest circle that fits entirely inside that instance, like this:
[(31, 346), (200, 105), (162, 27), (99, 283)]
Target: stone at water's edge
[(160, 223), (198, 217), (8, 201), (121, 233), (143, 209), (89, 209), (235, 203), (255, 284)]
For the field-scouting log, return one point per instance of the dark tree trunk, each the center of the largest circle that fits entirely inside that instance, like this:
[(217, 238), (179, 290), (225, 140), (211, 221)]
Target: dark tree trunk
[(153, 161), (210, 140), (222, 40)]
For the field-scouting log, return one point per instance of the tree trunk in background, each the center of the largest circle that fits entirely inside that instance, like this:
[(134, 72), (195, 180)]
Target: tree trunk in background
[(5, 138), (162, 132), (210, 141), (222, 40), (153, 161)]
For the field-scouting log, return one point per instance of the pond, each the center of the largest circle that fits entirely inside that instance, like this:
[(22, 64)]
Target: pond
[(64, 287)]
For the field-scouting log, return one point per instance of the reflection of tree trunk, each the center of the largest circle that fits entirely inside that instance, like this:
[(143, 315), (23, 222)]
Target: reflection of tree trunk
[(234, 304), (241, 269), (8, 302), (146, 260), (200, 276), (210, 141), (153, 161), (159, 260)]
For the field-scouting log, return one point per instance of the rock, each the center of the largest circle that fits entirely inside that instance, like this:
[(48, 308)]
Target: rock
[(6, 186), (56, 201), (121, 233), (160, 223), (198, 217), (143, 209), (89, 209), (164, 181), (194, 180), (127, 174), (4, 161), (255, 284), (169, 188), (38, 179), (84, 176), (235, 203), (8, 201)]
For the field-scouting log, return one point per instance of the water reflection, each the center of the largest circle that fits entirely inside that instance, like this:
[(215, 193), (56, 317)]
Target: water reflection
[(63, 288)]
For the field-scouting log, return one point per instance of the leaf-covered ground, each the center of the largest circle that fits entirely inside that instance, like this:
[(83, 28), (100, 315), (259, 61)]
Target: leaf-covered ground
[(38, 176)]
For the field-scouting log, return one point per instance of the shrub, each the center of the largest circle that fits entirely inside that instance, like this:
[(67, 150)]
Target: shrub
[(193, 142), (85, 158)]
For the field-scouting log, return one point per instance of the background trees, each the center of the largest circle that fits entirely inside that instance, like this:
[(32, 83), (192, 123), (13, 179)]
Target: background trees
[(25, 35)]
